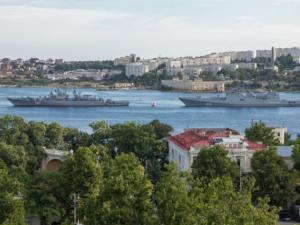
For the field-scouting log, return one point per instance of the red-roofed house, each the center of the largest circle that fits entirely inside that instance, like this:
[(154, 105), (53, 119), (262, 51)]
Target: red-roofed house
[(184, 147)]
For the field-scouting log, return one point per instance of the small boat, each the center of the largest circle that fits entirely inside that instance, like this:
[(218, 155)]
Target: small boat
[(154, 104)]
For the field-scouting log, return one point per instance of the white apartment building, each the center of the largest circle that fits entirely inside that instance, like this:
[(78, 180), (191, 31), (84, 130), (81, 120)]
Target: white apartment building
[(184, 147), (136, 69), (294, 52), (250, 66), (194, 85), (246, 56), (212, 59)]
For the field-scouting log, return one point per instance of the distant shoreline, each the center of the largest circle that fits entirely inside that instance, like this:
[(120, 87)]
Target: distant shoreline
[(117, 89)]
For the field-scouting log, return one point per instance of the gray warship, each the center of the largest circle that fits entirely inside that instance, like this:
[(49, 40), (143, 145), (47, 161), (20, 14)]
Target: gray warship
[(240, 99), (61, 98)]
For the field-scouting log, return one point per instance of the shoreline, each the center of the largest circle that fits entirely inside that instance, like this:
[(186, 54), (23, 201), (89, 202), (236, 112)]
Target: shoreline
[(117, 89)]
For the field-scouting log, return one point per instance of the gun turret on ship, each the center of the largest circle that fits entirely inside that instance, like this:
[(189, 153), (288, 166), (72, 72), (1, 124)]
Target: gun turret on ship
[(240, 99), (61, 98)]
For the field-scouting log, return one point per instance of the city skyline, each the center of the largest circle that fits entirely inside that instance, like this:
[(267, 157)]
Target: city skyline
[(91, 30)]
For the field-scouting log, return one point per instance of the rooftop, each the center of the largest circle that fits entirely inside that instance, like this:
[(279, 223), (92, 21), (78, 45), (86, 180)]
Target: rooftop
[(206, 137)]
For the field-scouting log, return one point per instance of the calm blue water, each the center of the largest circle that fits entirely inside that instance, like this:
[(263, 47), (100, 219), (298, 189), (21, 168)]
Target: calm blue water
[(169, 110)]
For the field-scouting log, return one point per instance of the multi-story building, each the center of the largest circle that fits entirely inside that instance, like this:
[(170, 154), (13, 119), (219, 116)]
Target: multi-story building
[(294, 52), (250, 66), (194, 85), (136, 69), (174, 64), (5, 65), (263, 53), (184, 147), (58, 61), (125, 60), (212, 59), (244, 56)]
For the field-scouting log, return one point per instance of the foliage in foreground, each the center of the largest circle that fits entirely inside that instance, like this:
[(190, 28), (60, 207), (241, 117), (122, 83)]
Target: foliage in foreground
[(120, 174)]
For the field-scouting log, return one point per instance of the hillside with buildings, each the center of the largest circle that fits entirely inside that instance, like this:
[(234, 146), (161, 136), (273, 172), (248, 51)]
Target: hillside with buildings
[(276, 69)]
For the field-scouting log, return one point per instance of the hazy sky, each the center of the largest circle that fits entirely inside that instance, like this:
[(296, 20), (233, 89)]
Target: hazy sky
[(104, 29)]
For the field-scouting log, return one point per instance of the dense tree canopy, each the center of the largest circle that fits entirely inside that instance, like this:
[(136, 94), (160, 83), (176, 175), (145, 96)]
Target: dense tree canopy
[(258, 131), (212, 163), (120, 174), (126, 198), (273, 178), (11, 205)]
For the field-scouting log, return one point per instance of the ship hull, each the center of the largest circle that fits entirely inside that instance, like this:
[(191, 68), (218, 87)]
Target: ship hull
[(193, 102), (62, 103)]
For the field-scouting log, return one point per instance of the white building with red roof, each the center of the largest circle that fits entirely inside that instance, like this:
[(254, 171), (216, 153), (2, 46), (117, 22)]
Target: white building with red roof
[(184, 147)]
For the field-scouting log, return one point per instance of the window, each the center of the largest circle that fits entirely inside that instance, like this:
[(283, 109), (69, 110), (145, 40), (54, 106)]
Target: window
[(238, 161)]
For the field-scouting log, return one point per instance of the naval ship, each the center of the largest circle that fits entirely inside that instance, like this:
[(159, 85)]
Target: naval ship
[(61, 98), (240, 99)]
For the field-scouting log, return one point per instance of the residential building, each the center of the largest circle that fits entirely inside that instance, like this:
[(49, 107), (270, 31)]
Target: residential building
[(279, 134), (242, 56), (184, 147), (249, 66), (125, 60), (212, 59), (194, 85), (136, 69), (294, 52), (263, 53), (5, 65), (174, 64), (58, 61)]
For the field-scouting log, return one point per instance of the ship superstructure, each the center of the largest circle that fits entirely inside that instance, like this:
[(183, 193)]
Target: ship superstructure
[(240, 99), (61, 98)]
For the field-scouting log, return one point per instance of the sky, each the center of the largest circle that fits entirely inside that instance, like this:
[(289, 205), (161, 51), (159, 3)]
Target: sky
[(105, 29)]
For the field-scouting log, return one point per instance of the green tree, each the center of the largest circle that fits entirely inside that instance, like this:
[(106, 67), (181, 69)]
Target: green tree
[(296, 155), (286, 62), (273, 178), (13, 130), (126, 198), (258, 131), (212, 163), (45, 197), (161, 130), (219, 203), (142, 140), (13, 156), (101, 132), (11, 205), (37, 132), (81, 173), (172, 198), (74, 138), (54, 135)]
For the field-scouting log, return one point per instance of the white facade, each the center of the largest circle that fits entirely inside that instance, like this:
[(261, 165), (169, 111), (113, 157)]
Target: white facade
[(197, 85), (294, 52), (237, 152), (136, 69), (250, 66), (246, 56), (279, 134), (174, 64)]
